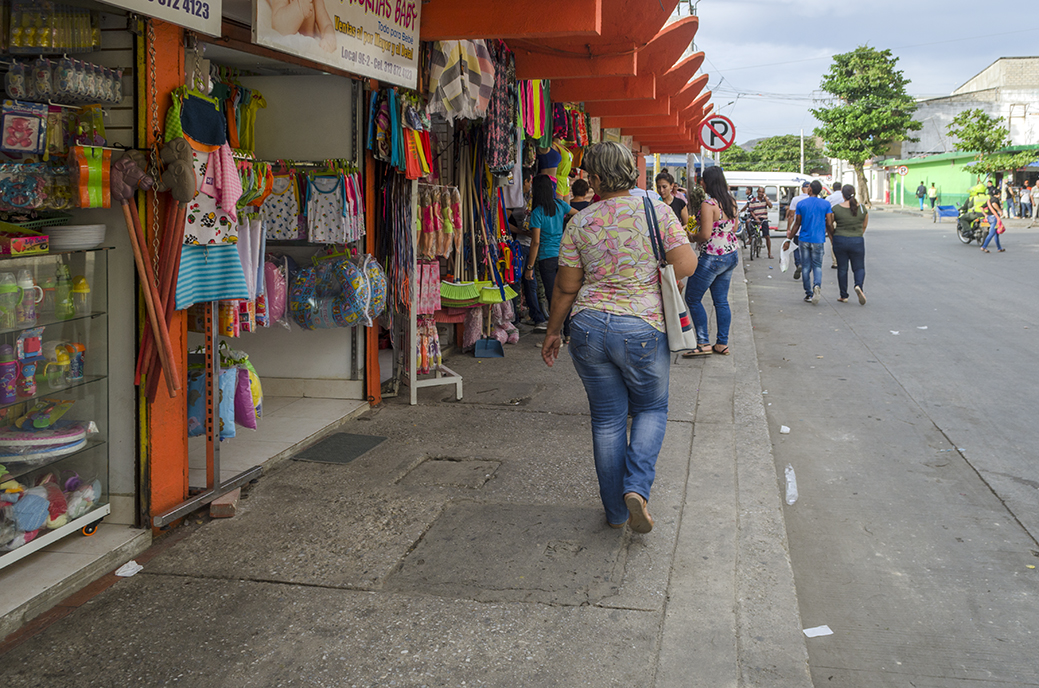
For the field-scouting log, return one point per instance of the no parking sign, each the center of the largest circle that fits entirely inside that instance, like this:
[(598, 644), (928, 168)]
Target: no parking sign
[(717, 133)]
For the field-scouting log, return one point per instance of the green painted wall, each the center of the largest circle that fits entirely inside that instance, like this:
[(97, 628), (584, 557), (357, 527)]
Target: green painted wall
[(947, 175)]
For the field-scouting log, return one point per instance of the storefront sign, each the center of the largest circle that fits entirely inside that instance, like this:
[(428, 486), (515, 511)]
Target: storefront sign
[(374, 38), (198, 15)]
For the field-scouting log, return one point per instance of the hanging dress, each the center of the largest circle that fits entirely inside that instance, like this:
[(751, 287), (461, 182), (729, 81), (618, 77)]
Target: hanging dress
[(326, 210), (280, 212)]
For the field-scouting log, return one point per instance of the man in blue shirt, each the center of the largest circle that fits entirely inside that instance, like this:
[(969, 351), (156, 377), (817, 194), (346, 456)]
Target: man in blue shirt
[(812, 222)]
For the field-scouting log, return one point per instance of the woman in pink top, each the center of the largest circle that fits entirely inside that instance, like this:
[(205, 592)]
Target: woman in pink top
[(718, 259), (608, 279)]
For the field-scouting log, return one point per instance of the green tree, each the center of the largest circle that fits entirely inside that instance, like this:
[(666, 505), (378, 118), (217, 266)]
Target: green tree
[(783, 154), (870, 110), (737, 158), (978, 132)]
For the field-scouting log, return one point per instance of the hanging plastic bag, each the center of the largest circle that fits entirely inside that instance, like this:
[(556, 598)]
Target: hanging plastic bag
[(228, 385), (786, 255), (244, 410), (276, 282), (376, 287)]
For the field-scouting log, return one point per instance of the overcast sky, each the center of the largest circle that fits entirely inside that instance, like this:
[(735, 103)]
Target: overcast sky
[(769, 55)]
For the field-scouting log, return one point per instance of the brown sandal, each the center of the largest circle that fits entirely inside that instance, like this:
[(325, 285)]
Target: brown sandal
[(724, 351), (700, 350)]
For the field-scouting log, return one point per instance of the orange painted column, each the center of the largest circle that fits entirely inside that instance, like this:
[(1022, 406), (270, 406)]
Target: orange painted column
[(373, 378), (164, 444)]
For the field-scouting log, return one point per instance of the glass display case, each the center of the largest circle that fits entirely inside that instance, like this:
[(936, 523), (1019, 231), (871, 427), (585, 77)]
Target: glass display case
[(53, 398)]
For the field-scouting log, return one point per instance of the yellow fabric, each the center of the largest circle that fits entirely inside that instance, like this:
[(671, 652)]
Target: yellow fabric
[(247, 127), (536, 86), (563, 171)]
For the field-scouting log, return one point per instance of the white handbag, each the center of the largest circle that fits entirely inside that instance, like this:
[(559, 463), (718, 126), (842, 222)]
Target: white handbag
[(681, 335)]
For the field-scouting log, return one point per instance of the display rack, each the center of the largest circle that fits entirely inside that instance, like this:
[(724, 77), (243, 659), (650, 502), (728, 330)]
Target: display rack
[(442, 375), (89, 392), (215, 487)]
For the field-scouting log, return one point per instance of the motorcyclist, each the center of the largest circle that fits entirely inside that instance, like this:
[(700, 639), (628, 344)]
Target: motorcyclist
[(972, 209)]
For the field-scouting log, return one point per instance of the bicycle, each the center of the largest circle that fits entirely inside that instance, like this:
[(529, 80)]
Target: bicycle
[(754, 239)]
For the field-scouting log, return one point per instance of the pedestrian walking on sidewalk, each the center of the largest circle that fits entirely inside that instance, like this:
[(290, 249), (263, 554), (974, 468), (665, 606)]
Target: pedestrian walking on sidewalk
[(992, 210), (1026, 200), (790, 215), (932, 194), (850, 220), (921, 193), (719, 255), (609, 280), (547, 217), (813, 221)]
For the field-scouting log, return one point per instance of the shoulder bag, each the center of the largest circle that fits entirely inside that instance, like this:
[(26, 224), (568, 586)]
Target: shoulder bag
[(681, 336)]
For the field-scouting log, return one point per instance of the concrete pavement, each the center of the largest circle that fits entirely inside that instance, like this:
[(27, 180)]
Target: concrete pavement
[(470, 548)]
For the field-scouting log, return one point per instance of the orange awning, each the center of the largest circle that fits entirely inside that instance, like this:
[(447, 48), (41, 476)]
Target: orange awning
[(444, 20)]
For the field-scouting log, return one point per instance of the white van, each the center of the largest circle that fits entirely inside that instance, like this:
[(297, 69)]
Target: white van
[(780, 187)]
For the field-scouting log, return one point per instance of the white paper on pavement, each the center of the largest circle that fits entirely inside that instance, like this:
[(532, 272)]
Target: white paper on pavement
[(818, 631)]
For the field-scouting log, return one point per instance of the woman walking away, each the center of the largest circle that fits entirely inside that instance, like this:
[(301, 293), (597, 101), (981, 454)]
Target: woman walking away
[(850, 220), (666, 189), (608, 275), (718, 258), (994, 223), (547, 216)]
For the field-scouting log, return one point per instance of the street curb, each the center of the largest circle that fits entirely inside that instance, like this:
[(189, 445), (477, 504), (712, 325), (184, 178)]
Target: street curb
[(734, 515), (772, 650)]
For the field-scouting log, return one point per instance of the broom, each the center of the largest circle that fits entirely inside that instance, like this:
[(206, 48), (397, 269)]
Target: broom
[(457, 292)]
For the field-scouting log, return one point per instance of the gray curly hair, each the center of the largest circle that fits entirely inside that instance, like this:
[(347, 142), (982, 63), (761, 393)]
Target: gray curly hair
[(614, 164)]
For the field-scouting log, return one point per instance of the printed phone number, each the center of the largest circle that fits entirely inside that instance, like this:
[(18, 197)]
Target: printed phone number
[(195, 8)]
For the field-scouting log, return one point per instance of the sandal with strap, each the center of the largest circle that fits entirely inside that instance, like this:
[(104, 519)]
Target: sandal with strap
[(700, 350), (724, 351)]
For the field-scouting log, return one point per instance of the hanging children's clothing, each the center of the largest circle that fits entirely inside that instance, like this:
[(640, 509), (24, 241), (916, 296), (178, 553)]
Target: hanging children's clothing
[(210, 272), (326, 210), (280, 212), (211, 216)]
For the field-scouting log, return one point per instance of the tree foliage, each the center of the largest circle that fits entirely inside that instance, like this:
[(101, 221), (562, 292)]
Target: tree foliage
[(776, 154), (978, 132), (871, 108)]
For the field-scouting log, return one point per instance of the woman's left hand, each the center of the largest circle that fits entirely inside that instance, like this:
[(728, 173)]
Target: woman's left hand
[(550, 348)]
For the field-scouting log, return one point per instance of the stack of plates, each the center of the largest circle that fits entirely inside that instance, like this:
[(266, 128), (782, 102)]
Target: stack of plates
[(75, 237)]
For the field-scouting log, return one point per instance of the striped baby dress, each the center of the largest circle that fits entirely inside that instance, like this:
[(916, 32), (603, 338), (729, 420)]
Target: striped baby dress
[(210, 273)]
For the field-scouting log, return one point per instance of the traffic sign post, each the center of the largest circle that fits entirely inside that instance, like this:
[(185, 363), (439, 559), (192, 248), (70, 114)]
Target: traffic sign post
[(903, 170), (717, 133)]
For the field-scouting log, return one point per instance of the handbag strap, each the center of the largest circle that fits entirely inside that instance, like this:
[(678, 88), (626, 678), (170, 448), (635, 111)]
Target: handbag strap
[(654, 231)]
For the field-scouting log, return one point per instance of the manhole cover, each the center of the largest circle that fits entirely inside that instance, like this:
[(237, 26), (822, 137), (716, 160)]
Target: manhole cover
[(516, 552), (451, 473)]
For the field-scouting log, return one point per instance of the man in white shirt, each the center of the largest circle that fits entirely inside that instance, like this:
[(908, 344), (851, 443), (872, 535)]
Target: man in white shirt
[(1026, 200), (834, 198), (790, 223)]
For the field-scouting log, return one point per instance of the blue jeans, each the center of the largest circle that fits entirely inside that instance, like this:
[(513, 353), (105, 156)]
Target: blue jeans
[(812, 262), (1026, 210), (547, 268), (992, 227), (714, 273), (624, 364), (921, 202), (797, 253), (851, 249), (530, 291)]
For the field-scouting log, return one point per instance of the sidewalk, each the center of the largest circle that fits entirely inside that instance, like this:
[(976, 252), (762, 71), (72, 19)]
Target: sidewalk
[(470, 548)]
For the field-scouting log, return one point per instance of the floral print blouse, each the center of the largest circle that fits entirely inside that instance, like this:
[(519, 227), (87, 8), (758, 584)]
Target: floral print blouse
[(609, 240), (723, 236)]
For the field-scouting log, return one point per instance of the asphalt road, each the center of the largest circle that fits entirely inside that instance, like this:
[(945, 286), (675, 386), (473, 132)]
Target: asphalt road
[(914, 436)]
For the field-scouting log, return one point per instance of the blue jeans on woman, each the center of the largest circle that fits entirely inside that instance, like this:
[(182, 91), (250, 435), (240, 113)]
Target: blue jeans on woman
[(714, 273), (530, 292), (547, 268), (624, 363), (993, 225), (847, 249)]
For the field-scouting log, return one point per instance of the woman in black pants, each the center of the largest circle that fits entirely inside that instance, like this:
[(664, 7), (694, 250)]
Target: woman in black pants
[(850, 220)]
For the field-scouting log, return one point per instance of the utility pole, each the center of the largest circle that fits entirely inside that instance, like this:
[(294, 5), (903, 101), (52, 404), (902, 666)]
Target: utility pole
[(802, 151)]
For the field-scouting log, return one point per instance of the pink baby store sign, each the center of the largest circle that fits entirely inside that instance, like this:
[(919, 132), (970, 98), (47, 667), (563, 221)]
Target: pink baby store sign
[(374, 38)]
